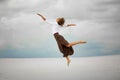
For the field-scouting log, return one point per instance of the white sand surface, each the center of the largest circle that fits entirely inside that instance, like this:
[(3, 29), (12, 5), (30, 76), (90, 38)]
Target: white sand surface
[(83, 68)]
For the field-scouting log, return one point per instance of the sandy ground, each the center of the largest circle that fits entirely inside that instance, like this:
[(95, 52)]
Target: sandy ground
[(83, 68)]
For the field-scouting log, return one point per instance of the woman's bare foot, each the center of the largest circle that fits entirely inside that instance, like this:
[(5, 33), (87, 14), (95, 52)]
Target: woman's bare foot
[(68, 62)]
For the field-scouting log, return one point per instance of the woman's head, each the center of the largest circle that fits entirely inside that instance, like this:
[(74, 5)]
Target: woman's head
[(60, 21)]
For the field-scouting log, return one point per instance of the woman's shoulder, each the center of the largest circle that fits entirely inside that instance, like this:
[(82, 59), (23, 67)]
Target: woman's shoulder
[(51, 21)]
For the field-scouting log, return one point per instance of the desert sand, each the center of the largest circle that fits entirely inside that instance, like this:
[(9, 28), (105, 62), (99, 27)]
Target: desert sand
[(82, 68)]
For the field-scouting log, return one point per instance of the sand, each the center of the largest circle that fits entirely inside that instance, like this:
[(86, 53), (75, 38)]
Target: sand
[(83, 68)]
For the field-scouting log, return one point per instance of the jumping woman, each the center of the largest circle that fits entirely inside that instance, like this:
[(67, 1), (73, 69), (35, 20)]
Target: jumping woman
[(64, 46)]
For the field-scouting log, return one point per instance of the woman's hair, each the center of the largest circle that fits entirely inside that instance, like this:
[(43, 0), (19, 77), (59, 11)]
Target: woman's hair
[(61, 21)]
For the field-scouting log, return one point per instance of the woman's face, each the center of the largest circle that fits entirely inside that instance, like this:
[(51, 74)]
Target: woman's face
[(57, 19)]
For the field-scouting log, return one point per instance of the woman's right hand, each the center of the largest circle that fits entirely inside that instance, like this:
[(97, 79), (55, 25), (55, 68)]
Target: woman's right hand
[(41, 16)]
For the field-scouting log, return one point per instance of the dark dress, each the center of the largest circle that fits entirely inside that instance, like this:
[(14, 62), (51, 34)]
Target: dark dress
[(61, 45)]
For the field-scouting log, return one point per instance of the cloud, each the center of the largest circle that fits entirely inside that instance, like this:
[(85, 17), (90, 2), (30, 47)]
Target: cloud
[(105, 35), (13, 7), (97, 20), (23, 30), (106, 11), (70, 9), (3, 1), (110, 2), (98, 10)]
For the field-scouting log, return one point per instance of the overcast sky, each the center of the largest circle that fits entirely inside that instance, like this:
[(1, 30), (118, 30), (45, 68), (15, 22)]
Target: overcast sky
[(23, 34)]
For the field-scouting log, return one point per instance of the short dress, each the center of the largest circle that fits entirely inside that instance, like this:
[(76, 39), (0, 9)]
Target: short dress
[(61, 45)]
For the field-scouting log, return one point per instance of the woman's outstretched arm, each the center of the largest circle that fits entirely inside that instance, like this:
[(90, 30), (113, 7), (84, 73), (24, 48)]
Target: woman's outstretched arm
[(71, 25), (42, 17)]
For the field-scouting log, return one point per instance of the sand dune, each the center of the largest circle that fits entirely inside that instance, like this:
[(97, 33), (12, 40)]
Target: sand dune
[(91, 68)]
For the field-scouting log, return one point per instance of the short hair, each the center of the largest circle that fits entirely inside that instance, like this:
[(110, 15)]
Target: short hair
[(61, 21)]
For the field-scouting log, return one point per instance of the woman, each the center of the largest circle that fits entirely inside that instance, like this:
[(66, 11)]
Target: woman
[(64, 46)]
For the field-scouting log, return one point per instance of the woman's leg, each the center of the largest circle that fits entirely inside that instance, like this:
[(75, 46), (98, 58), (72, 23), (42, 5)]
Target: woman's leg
[(74, 43), (68, 60)]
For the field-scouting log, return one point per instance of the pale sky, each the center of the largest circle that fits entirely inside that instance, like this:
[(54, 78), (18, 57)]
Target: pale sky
[(24, 34)]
